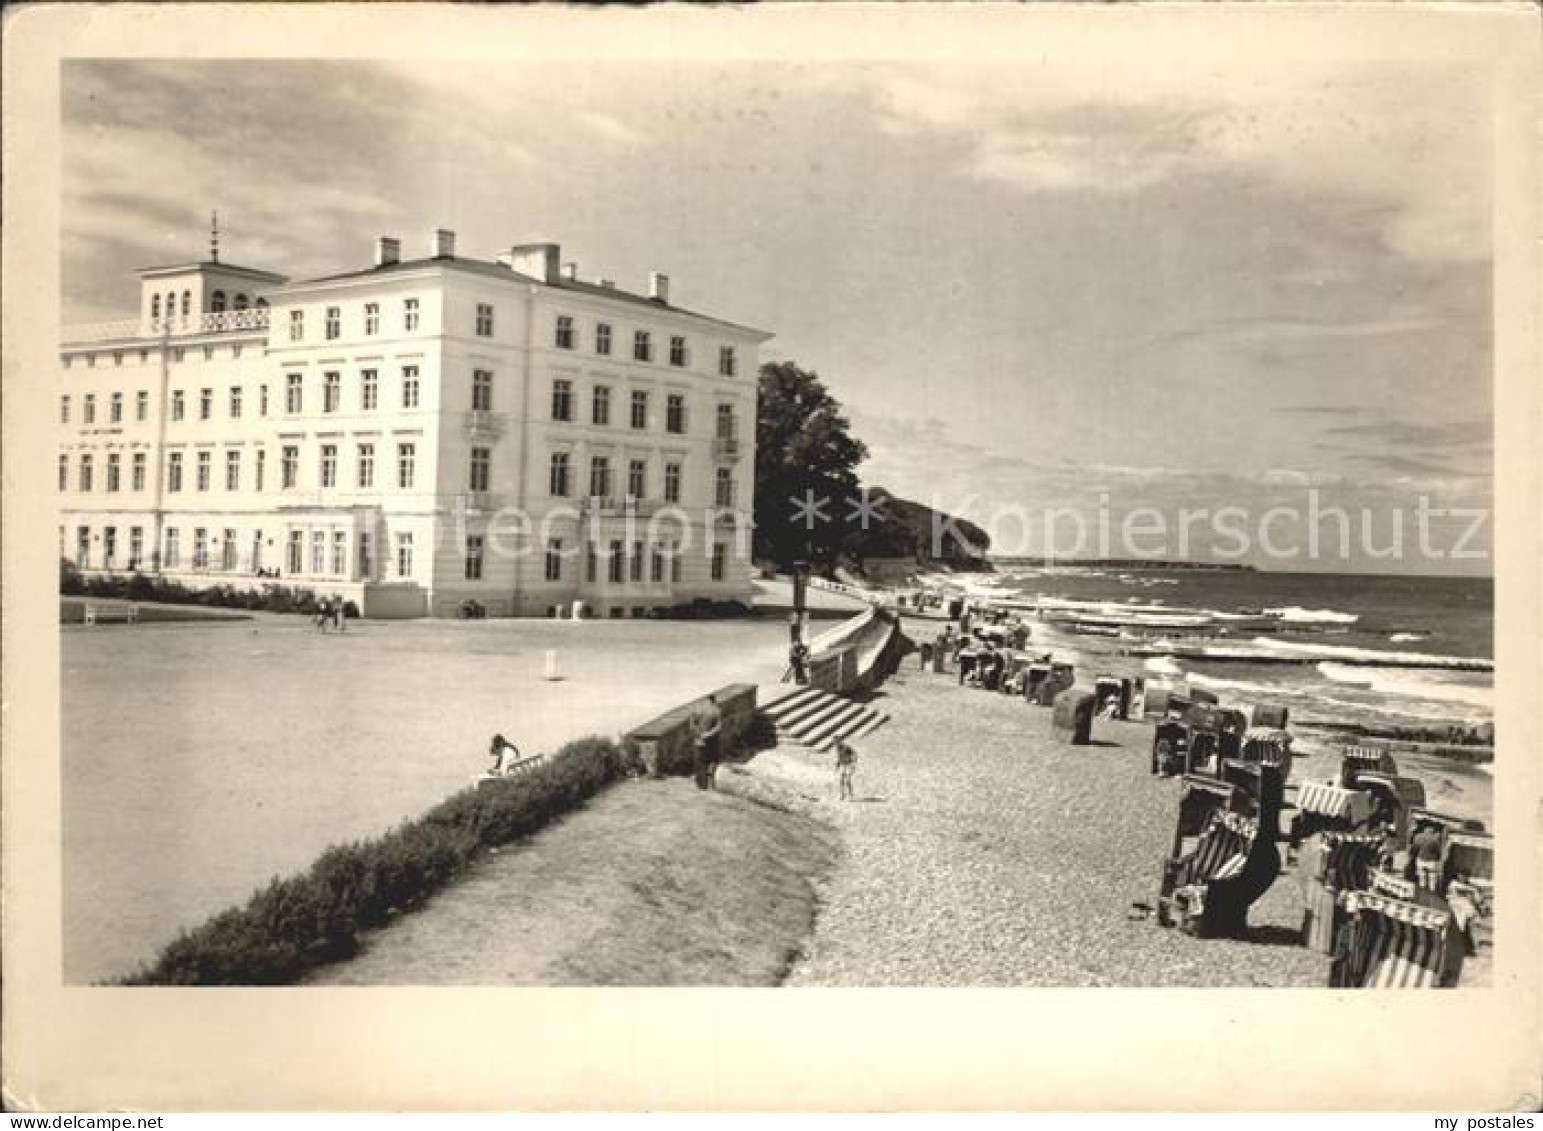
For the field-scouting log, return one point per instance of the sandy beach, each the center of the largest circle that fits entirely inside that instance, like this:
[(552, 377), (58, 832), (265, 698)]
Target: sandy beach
[(981, 851)]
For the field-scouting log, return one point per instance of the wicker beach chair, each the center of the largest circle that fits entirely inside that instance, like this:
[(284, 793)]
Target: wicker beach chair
[(1468, 872), (1392, 943), (1269, 746), (1170, 747), (1395, 801), (1269, 715), (1208, 888), (1355, 759), (1343, 864)]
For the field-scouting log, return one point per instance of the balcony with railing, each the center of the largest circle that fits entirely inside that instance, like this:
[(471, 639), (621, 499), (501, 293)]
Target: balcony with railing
[(481, 422), (218, 322), (618, 506)]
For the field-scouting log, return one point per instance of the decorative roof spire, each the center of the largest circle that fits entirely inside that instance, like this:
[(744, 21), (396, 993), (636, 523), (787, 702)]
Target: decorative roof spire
[(214, 236)]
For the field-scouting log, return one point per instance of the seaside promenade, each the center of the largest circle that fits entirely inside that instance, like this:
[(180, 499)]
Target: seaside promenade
[(979, 852)]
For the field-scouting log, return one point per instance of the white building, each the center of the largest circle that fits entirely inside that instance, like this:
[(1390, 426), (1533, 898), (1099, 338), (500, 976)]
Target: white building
[(415, 434)]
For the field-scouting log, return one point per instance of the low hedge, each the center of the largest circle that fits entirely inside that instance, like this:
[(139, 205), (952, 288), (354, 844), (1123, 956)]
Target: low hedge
[(296, 924)]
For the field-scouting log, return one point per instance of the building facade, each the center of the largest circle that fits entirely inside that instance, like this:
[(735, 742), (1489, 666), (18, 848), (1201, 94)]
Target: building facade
[(415, 435)]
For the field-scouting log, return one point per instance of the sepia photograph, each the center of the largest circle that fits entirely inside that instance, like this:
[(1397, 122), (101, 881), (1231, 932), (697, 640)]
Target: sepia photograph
[(587, 518)]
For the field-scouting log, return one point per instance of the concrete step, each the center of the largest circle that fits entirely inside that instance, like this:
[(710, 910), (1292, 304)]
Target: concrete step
[(820, 701), (807, 720), (792, 701), (838, 725), (860, 728)]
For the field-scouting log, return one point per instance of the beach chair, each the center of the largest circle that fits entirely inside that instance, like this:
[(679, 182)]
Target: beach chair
[(1343, 864), (1268, 746), (1394, 802), (1113, 697), (1324, 806), (1072, 721), (1269, 715), (1355, 759), (1170, 747), (1390, 943), (1468, 872), (1201, 745), (1208, 889)]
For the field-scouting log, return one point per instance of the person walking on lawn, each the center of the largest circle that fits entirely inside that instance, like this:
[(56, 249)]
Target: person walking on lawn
[(707, 728)]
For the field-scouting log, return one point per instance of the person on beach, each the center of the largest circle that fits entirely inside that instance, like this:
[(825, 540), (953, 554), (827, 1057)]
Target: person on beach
[(503, 752), (798, 662), (846, 766), (706, 728)]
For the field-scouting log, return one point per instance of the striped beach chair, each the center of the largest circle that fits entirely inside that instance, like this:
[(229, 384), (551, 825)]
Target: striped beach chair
[(1391, 944), (1469, 884), (1354, 759), (1208, 889), (1343, 864), (1323, 806), (1269, 746)]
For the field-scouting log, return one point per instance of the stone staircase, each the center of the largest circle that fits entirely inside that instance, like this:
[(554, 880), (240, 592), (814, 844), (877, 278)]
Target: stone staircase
[(807, 716)]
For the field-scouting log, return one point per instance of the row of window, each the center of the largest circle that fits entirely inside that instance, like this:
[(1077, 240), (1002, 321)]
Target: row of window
[(675, 416), (566, 337), (328, 552), (565, 334), (328, 557), (410, 396), (411, 318), (217, 302), (114, 407), (479, 472), (289, 469)]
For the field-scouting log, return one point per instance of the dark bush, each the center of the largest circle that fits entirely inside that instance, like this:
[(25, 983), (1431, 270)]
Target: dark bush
[(296, 924), (703, 609), (138, 587)]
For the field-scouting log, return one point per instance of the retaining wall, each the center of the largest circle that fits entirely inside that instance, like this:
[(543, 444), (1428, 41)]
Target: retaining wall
[(666, 743)]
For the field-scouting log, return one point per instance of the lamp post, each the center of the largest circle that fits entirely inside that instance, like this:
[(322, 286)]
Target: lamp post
[(800, 601)]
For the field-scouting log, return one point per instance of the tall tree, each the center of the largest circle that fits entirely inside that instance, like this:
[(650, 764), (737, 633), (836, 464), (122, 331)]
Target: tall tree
[(805, 468)]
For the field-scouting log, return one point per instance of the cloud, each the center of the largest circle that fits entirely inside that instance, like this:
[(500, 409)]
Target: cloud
[(1410, 466), (1475, 434), (1333, 130)]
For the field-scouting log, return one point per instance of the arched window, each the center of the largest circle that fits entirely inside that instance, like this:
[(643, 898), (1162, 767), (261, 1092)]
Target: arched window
[(217, 302), (171, 305), (187, 303), (241, 302), (155, 308)]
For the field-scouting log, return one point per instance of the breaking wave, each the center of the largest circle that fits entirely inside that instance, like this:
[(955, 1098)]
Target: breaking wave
[(1409, 685), (1296, 614)]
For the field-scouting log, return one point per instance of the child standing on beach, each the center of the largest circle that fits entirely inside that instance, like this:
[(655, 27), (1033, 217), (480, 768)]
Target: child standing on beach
[(846, 766)]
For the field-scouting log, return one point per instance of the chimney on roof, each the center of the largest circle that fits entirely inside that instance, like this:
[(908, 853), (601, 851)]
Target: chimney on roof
[(542, 261), (444, 244), (387, 251), (571, 271), (658, 287), (608, 284)]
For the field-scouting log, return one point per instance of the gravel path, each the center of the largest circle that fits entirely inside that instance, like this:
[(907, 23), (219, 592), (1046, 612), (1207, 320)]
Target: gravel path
[(982, 852)]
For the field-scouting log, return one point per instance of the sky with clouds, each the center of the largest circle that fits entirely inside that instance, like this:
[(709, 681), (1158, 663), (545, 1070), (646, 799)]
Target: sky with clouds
[(1032, 286)]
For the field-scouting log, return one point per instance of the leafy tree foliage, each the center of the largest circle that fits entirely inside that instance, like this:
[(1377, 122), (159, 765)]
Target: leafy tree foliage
[(805, 453)]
